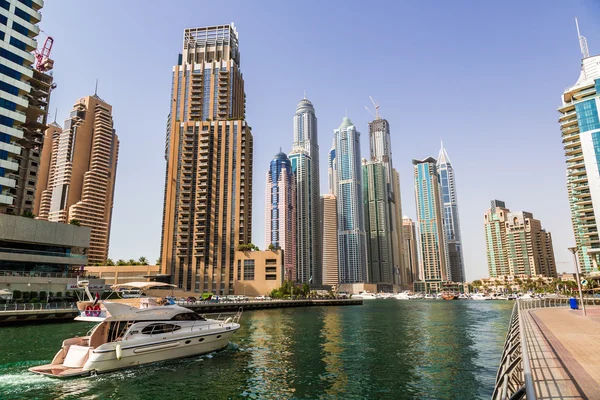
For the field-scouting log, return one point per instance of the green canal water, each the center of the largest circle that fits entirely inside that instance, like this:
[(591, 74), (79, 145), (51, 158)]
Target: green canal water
[(385, 349)]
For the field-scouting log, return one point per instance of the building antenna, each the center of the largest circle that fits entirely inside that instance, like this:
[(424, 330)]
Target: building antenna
[(376, 105), (96, 90), (304, 94), (582, 42), (55, 114)]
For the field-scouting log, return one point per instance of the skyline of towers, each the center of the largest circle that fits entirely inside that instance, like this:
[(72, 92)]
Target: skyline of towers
[(433, 249), (25, 95), (280, 213), (305, 166), (516, 244), (352, 257), (208, 195), (580, 131), (456, 269), (82, 166)]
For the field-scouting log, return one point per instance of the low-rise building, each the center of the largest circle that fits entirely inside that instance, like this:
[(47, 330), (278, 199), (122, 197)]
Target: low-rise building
[(118, 274), (257, 272)]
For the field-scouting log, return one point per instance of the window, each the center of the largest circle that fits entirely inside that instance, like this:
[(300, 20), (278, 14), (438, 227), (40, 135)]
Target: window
[(31, 183), (188, 316), (20, 28), (3, 20), (271, 269), (32, 173), (34, 164), (18, 44), (5, 4), (22, 14), (239, 270), (154, 329), (248, 270), (271, 277)]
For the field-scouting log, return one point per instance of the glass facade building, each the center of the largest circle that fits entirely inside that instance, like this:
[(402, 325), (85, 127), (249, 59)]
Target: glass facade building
[(456, 268), (305, 166), (352, 252), (433, 249), (580, 130), (280, 224)]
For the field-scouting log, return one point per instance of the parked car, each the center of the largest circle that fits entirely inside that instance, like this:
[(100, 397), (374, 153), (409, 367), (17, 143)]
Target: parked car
[(262, 298)]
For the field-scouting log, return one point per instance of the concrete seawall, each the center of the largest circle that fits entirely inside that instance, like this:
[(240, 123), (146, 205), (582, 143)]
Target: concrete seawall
[(23, 317)]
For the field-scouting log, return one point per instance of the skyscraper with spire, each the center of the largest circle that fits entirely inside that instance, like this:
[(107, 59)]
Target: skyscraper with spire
[(456, 269), (209, 149), (304, 158), (280, 213), (580, 129), (352, 252)]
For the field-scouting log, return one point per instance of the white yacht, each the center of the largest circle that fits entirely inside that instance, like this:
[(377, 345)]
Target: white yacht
[(406, 295), (429, 296), (132, 336), (480, 296), (366, 295)]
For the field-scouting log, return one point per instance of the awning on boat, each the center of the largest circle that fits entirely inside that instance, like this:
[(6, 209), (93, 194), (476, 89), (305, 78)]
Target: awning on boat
[(142, 285)]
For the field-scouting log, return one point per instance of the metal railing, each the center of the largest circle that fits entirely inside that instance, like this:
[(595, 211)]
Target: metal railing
[(37, 306), (41, 253), (514, 380)]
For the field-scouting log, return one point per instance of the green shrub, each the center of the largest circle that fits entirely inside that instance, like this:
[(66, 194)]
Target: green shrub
[(34, 300), (43, 295), (59, 294), (17, 294)]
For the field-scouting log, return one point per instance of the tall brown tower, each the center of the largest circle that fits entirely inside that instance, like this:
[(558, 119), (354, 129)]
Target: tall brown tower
[(79, 182), (208, 188)]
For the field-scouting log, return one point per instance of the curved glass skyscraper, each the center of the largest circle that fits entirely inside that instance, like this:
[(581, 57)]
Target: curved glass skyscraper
[(351, 226), (304, 158), (280, 201), (456, 268)]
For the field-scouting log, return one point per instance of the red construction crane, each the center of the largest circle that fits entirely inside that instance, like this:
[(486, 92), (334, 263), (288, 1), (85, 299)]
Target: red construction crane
[(43, 62)]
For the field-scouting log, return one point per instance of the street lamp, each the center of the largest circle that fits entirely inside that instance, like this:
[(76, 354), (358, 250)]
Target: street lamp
[(574, 251)]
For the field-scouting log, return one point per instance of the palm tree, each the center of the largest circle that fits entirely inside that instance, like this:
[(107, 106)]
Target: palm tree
[(75, 222), (132, 262), (109, 262), (143, 260), (121, 262)]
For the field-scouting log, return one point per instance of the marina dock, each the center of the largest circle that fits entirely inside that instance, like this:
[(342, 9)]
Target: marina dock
[(12, 315), (550, 352)]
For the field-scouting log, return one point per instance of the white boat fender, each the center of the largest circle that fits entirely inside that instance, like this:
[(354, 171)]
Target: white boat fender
[(228, 320), (119, 352)]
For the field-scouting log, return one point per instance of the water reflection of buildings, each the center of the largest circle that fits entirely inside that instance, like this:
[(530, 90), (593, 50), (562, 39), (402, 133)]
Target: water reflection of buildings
[(336, 376), (271, 364)]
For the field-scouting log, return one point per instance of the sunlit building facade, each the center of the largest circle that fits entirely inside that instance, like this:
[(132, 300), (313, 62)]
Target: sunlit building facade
[(208, 196)]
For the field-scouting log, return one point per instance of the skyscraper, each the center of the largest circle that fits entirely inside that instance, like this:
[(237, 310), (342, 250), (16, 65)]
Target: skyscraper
[(517, 244), (305, 165), (329, 234), (381, 152), (456, 268), (495, 238), (24, 102), (208, 197), (433, 248), (280, 213), (332, 171), (580, 128), (411, 258), (378, 219), (82, 172), (352, 257)]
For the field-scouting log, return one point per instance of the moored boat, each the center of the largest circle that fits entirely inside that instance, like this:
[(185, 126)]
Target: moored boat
[(132, 336), (449, 296)]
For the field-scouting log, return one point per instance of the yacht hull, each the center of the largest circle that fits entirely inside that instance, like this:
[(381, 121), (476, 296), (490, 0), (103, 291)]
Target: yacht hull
[(130, 355)]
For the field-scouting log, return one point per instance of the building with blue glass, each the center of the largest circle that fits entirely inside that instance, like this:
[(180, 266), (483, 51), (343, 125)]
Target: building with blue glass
[(304, 158), (580, 129), (456, 268), (433, 249), (24, 97), (280, 224), (352, 249)]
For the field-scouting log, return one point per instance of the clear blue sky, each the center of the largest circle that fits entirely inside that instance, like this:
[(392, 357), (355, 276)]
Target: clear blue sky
[(486, 77)]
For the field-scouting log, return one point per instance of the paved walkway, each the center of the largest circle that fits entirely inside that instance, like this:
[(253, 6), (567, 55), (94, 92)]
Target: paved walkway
[(564, 351)]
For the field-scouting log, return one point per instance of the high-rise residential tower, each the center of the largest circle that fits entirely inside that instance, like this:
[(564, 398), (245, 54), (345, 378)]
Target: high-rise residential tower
[(305, 165), (329, 234), (433, 250), (24, 95), (411, 258), (352, 257), (517, 244), (580, 128), (82, 172), (280, 213), (378, 219), (332, 171), (208, 196), (495, 238), (381, 152), (456, 269)]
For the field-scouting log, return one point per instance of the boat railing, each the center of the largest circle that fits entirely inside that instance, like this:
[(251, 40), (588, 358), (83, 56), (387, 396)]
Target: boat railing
[(223, 317), (37, 306), (514, 380)]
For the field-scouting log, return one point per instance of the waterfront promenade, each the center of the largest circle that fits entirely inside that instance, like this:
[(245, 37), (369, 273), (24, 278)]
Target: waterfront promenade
[(20, 314), (550, 352)]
